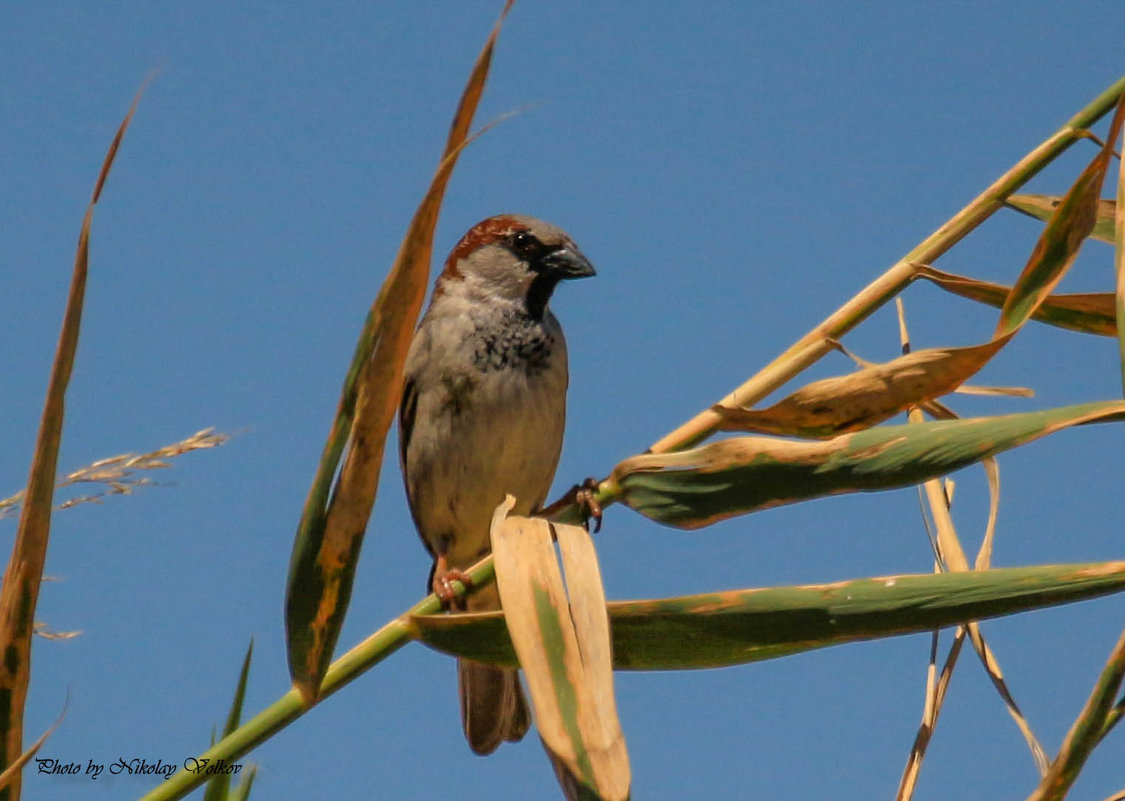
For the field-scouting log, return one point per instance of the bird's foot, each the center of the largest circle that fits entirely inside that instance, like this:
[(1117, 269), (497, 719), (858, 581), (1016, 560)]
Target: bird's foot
[(586, 498), (443, 583)]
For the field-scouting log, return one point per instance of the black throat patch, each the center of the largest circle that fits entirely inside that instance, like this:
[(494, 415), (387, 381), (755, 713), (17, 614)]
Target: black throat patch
[(542, 285)]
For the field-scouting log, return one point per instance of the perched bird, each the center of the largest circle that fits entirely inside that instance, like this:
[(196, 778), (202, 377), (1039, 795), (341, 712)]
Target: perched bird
[(482, 415)]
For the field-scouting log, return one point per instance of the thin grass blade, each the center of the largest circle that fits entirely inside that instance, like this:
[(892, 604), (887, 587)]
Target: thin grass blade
[(952, 556), (1119, 262), (1062, 237), (935, 699), (1042, 207), (242, 792), (948, 555), (218, 789), (329, 536), (13, 770), (1085, 312), (1087, 730), (20, 590), (996, 675)]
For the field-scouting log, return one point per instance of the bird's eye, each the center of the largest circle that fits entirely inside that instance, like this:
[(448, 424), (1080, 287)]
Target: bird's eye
[(524, 241)]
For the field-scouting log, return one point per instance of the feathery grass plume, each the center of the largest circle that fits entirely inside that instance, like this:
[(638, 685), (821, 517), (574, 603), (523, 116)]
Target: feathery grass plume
[(41, 630), (118, 472)]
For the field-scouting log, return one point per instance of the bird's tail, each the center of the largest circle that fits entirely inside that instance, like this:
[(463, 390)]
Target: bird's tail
[(493, 709)]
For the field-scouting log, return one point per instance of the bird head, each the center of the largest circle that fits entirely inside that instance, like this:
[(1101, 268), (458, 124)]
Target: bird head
[(514, 258)]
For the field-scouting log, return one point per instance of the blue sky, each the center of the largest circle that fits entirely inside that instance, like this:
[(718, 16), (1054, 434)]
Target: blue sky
[(735, 171)]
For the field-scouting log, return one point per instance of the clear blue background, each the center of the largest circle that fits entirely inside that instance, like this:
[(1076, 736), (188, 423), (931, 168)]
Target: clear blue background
[(735, 171)]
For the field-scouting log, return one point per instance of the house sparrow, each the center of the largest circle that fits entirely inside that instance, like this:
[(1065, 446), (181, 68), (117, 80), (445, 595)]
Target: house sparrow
[(482, 416)]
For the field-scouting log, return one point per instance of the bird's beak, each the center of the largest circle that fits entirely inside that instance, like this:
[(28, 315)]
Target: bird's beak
[(568, 262)]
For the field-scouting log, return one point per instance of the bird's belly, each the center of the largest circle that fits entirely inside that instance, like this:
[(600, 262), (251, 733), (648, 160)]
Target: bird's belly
[(492, 449)]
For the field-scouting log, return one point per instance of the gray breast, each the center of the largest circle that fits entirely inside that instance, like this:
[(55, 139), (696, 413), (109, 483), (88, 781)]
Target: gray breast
[(495, 405)]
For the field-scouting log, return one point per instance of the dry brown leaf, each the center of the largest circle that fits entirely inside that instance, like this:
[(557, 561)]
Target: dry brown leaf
[(1002, 392), (591, 623), (1087, 312), (1062, 238), (1119, 262), (935, 698), (1042, 207), (866, 397), (564, 649)]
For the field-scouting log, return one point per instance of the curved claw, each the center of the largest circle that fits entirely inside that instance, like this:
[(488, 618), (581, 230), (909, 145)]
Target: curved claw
[(442, 583), (586, 497)]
